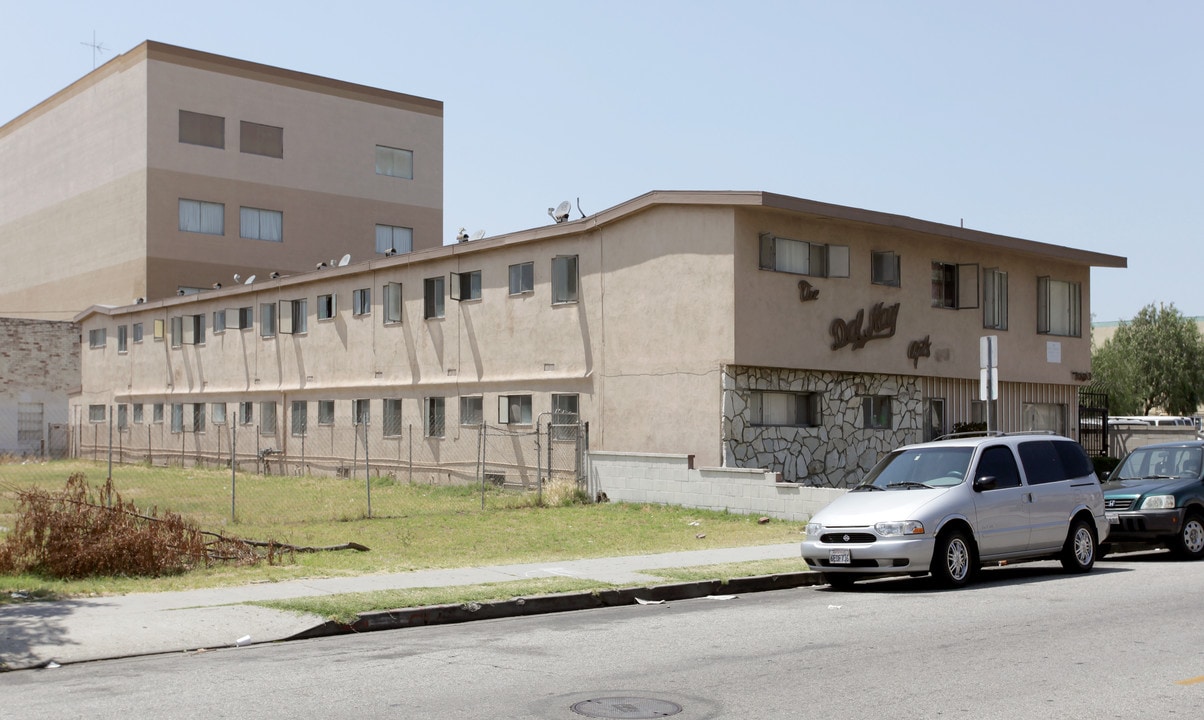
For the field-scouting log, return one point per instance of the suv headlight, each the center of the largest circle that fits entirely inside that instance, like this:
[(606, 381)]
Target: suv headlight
[(1158, 502), (813, 529), (893, 529)]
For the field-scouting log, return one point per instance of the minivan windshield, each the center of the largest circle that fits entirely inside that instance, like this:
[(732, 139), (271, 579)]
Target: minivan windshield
[(927, 467)]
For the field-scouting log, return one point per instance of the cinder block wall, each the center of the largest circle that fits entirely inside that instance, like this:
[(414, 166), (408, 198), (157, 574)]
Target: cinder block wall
[(669, 480)]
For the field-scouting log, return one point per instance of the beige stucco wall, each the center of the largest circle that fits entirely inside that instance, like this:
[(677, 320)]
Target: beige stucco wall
[(93, 178)]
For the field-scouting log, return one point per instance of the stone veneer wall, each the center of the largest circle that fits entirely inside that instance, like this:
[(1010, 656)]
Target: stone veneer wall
[(837, 452)]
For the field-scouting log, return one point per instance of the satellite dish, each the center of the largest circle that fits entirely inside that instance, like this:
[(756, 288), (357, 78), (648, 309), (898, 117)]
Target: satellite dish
[(237, 277), (561, 211), (478, 235), (250, 280), (344, 260)]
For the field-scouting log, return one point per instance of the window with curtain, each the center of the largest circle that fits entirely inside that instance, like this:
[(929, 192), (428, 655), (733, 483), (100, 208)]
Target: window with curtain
[(395, 239), (198, 216), (260, 224)]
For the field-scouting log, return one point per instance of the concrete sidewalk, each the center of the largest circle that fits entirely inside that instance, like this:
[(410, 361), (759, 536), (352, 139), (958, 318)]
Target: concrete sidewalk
[(69, 631)]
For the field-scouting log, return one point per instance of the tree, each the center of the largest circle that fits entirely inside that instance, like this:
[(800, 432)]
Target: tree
[(1154, 361)]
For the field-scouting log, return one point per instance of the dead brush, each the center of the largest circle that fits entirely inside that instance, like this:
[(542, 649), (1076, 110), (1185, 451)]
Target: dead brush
[(83, 531)]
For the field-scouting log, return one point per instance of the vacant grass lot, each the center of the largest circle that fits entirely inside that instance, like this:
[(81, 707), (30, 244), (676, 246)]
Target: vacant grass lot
[(412, 526)]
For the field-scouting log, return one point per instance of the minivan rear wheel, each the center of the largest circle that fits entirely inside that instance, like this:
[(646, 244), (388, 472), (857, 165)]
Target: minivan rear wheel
[(1078, 554), (953, 559)]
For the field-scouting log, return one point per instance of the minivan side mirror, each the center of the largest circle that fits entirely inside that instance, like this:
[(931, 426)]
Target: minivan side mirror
[(1103, 476), (986, 482)]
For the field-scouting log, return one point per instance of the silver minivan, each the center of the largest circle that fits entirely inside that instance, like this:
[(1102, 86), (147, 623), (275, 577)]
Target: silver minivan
[(951, 506)]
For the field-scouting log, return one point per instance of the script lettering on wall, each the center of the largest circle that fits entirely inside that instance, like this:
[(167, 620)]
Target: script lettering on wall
[(918, 349), (1081, 376), (857, 332), (807, 291)]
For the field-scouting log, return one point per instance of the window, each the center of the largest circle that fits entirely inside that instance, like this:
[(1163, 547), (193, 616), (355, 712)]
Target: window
[(267, 417), (391, 417), (434, 416), (361, 301), (157, 413), (159, 330), (257, 139), (999, 462), (394, 240), (803, 258), (394, 162), (994, 299), (784, 409), (432, 306), (1059, 304), (392, 302), (246, 317), (884, 268), (326, 412), (137, 328), (1044, 416), (954, 286), (1050, 461), (564, 416), (200, 129), (522, 278), (466, 286), (300, 417), (267, 320), (514, 409), (177, 417), (293, 316), (123, 338), (934, 418), (258, 224), (177, 331), (96, 413), (198, 417), (138, 414), (564, 279), (123, 417), (877, 412), (187, 330), (197, 216), (326, 307), (246, 413), (219, 321), (218, 414), (471, 412), (97, 338), (361, 412)]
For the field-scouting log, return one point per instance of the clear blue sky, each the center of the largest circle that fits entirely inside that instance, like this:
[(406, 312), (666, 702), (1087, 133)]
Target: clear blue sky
[(1076, 123)]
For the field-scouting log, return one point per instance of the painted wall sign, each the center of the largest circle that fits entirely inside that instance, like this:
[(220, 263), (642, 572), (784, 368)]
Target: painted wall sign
[(1081, 376), (857, 332), (807, 291), (919, 349)]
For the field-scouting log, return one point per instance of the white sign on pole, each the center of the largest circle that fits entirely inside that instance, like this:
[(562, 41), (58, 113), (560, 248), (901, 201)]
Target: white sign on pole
[(988, 363)]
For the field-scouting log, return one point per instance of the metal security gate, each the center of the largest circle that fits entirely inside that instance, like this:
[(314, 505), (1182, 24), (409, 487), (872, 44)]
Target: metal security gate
[(1093, 421), (29, 428)]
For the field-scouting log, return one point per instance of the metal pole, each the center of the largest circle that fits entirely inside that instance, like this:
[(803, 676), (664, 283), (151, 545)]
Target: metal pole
[(538, 465), (233, 472), (367, 471), (410, 459), (111, 409), (481, 459)]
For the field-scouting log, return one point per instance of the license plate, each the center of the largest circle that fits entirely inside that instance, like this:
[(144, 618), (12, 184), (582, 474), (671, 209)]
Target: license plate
[(839, 557), (1113, 518)]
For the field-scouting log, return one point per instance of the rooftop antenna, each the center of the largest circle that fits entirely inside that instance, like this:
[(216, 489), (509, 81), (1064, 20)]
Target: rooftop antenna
[(96, 48), (344, 260), (579, 208), (561, 212)]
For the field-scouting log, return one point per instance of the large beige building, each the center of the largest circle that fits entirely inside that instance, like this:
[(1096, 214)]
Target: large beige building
[(747, 329), (168, 170)]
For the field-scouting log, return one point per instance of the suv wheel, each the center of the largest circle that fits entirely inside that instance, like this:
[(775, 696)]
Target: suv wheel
[(953, 559), (1189, 543), (1078, 554)]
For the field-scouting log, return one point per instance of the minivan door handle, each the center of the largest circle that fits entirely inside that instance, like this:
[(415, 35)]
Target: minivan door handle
[(1028, 497)]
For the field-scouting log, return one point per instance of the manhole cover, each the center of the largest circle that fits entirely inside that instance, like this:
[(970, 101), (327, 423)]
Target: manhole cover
[(626, 707)]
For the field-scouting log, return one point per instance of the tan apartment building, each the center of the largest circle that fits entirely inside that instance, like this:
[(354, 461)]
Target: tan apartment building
[(168, 170), (746, 329)]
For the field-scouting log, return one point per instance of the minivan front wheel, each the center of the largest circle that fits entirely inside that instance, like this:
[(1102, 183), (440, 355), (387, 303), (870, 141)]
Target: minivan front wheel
[(1078, 554), (953, 559)]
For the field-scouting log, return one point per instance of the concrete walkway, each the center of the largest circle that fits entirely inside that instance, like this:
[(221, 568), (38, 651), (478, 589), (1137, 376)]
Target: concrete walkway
[(38, 634)]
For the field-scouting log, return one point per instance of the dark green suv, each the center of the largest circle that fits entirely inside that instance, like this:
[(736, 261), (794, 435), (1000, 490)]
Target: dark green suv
[(1155, 497)]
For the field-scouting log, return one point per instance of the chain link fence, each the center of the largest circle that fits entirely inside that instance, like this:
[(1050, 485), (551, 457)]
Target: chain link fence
[(255, 473)]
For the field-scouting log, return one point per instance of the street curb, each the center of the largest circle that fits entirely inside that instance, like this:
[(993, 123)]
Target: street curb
[(567, 602)]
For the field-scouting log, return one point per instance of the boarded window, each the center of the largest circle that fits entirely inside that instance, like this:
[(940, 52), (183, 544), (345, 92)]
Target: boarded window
[(200, 129), (259, 139)]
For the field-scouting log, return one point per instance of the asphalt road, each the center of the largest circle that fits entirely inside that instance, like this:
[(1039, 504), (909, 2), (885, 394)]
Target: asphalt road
[(1024, 642)]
